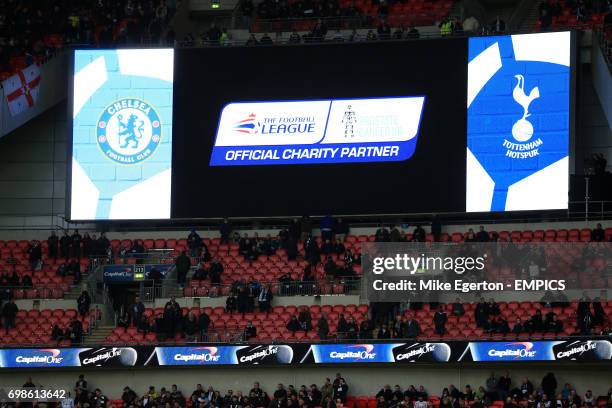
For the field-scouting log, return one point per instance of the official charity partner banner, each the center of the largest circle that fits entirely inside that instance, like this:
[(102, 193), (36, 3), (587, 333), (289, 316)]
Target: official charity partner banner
[(518, 122), (122, 134), (318, 131)]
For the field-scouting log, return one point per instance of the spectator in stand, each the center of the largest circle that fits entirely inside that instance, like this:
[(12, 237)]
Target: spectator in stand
[(250, 331), (366, 327), (81, 383), (26, 281), (52, 244), (383, 332), (341, 229), (136, 310), (182, 263), (294, 38), (439, 319), (599, 314), (458, 308), (231, 303), (264, 299), (326, 225), (35, 255), (191, 328), (498, 26), (341, 391), (124, 321), (203, 324), (552, 324), (65, 244), (589, 399), (244, 301), (75, 244), (323, 327), (215, 271), (128, 397), (396, 235), (293, 325), (351, 329), (419, 234), (75, 331), (225, 230), (330, 268), (598, 234), (87, 246), (481, 313), (482, 235), (9, 313), (143, 325), (83, 303), (383, 30), (549, 384), (305, 319), (420, 403), (412, 329), (194, 243), (470, 236), (57, 333), (99, 400), (382, 234), (518, 327), (386, 393)]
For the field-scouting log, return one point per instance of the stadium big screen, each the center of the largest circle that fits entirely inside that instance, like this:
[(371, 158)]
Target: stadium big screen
[(454, 125)]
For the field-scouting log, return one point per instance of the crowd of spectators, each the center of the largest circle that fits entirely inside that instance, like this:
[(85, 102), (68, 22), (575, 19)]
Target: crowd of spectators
[(589, 313), (512, 393), (168, 324), (581, 10), (31, 31)]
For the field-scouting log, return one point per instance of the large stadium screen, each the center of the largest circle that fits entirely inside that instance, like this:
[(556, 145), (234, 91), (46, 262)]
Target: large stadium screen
[(121, 134), (366, 128)]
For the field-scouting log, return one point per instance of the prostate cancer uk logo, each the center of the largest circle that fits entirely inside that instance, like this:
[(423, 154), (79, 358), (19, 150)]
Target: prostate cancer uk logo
[(129, 131)]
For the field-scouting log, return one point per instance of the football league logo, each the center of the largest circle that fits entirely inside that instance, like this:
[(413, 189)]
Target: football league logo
[(248, 125), (129, 131)]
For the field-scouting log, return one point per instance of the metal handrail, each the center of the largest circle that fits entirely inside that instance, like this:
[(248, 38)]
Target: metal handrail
[(329, 340), (290, 288)]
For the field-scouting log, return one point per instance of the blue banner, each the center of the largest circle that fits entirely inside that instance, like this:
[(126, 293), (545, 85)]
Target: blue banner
[(577, 349), (39, 358), (129, 273), (318, 131), (200, 355)]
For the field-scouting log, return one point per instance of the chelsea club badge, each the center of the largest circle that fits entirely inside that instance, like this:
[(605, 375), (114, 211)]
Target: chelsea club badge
[(129, 131)]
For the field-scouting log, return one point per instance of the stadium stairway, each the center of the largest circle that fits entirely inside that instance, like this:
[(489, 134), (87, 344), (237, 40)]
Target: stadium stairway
[(531, 17), (98, 335)]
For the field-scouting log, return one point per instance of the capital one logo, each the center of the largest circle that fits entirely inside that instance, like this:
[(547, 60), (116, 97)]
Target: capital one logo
[(524, 350), (206, 355), (362, 352), (52, 358)]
